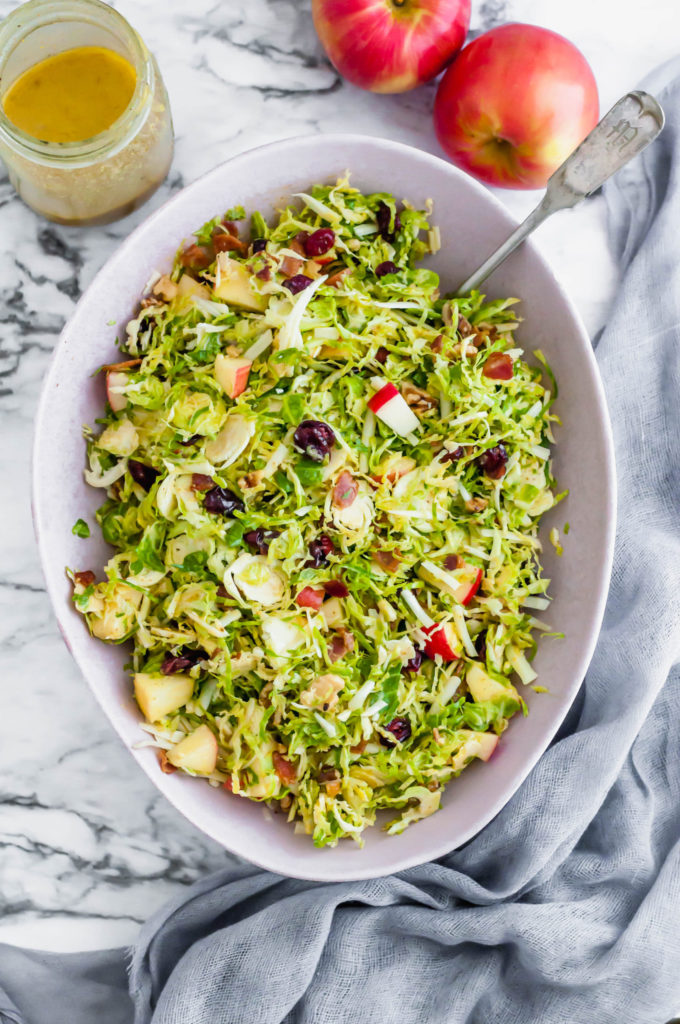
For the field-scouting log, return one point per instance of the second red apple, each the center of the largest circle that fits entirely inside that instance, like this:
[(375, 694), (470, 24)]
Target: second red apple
[(514, 104)]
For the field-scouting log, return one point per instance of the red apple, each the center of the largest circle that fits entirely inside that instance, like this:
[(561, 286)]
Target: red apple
[(232, 374), (441, 640), (391, 45), (515, 104), (114, 381), (309, 597)]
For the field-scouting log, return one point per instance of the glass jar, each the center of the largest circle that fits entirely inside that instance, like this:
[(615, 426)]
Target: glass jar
[(109, 175)]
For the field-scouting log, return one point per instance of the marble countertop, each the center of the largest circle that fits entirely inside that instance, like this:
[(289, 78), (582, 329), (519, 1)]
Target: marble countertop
[(88, 848)]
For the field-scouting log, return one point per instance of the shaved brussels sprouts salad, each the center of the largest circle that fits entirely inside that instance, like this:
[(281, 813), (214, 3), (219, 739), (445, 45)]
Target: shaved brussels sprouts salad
[(323, 486)]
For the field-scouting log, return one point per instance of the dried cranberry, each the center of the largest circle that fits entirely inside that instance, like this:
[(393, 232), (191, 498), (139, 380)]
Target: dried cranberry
[(142, 474), (319, 550), (492, 462), (388, 267), (314, 439), (319, 242), (383, 216), (336, 588), (381, 355), (259, 539), (480, 645), (454, 455), (414, 663), (223, 502), (187, 658), (400, 729), (297, 283), (191, 440), (259, 244)]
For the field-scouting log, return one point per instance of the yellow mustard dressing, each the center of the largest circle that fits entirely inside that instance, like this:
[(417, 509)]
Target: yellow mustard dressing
[(71, 96)]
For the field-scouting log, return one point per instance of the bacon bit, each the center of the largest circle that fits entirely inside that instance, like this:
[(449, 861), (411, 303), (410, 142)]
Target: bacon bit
[(148, 302), (84, 578), (195, 257), (332, 788), (265, 274), (381, 355), (476, 504), (310, 598), (230, 226), (336, 279), (345, 490), (340, 645), (128, 364), (387, 560), (283, 768), (201, 482), (452, 562), (437, 344), (418, 399), (359, 747), (166, 767), (224, 241), (336, 588), (328, 774), (229, 784), (289, 266), (498, 366)]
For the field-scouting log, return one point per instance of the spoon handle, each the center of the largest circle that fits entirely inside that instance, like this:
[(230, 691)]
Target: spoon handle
[(623, 132)]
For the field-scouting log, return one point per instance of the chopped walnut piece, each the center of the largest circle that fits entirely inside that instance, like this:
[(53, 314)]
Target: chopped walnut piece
[(166, 767), (464, 327), (476, 504), (419, 400)]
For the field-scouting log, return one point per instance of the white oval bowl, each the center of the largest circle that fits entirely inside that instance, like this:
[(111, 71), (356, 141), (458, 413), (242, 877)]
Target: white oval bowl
[(472, 223)]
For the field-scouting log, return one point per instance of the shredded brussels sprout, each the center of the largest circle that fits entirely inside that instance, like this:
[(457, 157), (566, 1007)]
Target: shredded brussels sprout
[(323, 489)]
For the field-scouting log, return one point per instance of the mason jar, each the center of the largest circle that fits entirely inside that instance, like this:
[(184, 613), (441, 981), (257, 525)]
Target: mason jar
[(99, 179)]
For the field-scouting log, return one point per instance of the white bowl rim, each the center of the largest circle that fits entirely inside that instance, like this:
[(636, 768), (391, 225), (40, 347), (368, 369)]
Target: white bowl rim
[(609, 486)]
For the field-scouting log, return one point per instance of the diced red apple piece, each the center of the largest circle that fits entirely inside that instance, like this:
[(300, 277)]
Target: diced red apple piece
[(476, 744), (442, 640), (159, 696), (462, 583), (483, 688), (231, 373), (309, 597), (197, 752), (391, 407), (114, 382)]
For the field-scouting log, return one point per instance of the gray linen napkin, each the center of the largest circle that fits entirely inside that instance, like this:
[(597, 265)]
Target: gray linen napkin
[(565, 908)]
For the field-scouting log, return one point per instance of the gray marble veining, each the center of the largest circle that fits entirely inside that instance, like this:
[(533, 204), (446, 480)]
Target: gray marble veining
[(87, 847)]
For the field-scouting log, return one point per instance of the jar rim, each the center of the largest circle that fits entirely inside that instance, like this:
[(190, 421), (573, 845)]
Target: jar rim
[(35, 14)]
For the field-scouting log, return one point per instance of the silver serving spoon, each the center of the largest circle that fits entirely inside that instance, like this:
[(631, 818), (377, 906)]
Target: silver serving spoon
[(625, 131)]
